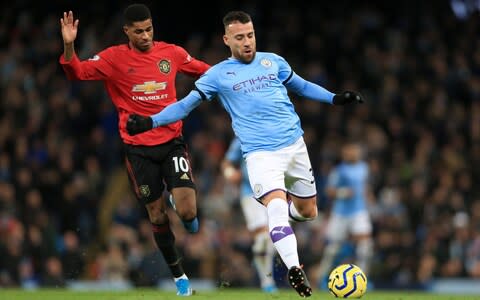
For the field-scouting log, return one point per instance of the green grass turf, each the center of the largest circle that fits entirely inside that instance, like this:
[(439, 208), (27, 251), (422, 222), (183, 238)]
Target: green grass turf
[(227, 294)]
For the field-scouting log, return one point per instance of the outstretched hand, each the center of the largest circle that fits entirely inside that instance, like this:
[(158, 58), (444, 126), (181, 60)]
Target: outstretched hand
[(137, 124), (69, 27), (347, 97)]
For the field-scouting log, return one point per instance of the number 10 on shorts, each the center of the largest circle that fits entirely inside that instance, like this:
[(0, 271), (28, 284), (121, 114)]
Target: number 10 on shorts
[(181, 164)]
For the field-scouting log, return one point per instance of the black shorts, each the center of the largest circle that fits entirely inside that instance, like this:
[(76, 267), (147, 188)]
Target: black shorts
[(150, 168)]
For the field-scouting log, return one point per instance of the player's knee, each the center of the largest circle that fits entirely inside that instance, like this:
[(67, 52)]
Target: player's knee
[(187, 214), (308, 213), (312, 213), (307, 209), (185, 204), (158, 217)]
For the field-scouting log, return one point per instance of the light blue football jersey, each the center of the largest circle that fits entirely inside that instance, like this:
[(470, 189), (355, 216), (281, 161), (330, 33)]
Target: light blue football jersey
[(263, 116), (353, 176), (234, 155)]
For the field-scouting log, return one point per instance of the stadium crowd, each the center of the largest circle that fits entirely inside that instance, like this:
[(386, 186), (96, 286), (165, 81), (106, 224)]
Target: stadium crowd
[(418, 66)]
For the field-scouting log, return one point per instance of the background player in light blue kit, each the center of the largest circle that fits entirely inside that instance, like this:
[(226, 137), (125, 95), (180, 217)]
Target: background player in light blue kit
[(347, 186), (235, 171), (252, 87)]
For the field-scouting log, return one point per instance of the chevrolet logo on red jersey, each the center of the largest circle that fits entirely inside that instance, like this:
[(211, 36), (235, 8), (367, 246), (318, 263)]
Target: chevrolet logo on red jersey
[(149, 87)]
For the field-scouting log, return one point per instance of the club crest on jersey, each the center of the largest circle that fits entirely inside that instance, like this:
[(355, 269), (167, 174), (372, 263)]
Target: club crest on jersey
[(149, 87), (164, 66), (266, 63)]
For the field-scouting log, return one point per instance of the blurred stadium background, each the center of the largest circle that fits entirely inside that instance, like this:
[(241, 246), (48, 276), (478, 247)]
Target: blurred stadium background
[(67, 216)]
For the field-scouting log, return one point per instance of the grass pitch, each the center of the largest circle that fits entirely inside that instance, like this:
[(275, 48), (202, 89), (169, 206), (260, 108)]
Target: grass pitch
[(221, 294)]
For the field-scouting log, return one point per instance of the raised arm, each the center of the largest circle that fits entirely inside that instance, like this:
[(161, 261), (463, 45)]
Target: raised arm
[(137, 124), (69, 28)]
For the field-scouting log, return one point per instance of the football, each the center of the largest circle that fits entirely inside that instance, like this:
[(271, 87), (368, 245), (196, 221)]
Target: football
[(347, 281)]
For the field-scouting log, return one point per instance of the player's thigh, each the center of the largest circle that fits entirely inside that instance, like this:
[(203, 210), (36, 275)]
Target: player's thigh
[(254, 212), (266, 171), (299, 179), (337, 228), (144, 175), (361, 224), (176, 167)]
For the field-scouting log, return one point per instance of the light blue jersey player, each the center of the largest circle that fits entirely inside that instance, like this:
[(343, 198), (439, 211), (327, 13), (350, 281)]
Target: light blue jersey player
[(252, 88), (234, 159), (235, 171), (347, 186)]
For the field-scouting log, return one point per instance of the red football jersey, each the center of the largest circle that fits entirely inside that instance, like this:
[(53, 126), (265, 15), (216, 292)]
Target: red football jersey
[(139, 82)]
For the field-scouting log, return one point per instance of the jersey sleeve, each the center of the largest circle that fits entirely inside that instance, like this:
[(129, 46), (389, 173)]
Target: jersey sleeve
[(300, 86), (284, 69), (99, 67), (207, 85), (188, 64), (234, 152), (178, 110)]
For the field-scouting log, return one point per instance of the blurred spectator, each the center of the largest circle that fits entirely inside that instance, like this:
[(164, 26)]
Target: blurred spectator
[(72, 258), (454, 266), (28, 280), (113, 265), (53, 274)]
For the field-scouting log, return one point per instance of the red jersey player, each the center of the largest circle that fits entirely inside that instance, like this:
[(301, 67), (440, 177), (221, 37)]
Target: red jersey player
[(140, 79)]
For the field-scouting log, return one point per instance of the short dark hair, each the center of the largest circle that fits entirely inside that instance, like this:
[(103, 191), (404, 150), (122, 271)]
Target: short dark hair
[(136, 13), (236, 16)]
